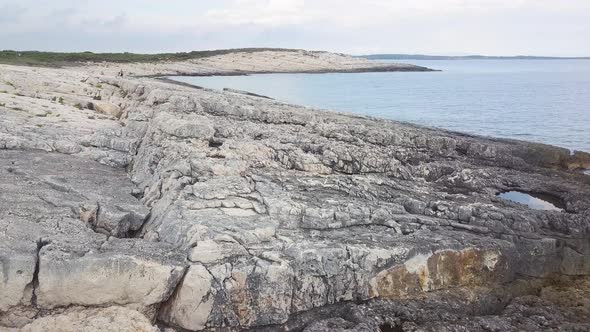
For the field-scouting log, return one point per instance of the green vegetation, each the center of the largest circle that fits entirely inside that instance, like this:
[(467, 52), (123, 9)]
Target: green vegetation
[(56, 99), (2, 104), (9, 83), (78, 106), (54, 59)]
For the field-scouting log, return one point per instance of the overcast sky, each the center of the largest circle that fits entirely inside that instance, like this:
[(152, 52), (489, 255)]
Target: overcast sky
[(491, 27)]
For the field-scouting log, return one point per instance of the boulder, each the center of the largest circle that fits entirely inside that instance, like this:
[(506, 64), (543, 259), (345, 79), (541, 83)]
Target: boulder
[(108, 109)]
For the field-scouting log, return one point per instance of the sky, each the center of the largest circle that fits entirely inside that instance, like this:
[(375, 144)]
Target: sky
[(440, 27)]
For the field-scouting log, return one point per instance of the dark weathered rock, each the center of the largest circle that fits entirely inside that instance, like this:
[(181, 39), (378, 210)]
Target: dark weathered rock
[(561, 307)]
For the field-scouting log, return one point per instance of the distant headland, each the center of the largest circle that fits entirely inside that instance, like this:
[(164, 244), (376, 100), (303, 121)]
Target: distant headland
[(463, 57)]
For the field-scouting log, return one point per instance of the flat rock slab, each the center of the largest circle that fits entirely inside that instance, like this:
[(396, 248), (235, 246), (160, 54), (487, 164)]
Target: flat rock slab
[(43, 183), (112, 319)]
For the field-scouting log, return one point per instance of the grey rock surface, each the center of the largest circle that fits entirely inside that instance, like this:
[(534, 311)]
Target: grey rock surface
[(56, 249), (209, 210)]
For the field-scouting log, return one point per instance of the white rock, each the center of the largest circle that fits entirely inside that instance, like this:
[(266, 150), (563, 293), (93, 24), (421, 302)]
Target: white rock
[(113, 319), (191, 305), (108, 109)]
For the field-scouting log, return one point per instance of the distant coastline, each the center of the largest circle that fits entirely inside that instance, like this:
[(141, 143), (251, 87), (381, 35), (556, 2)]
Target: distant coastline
[(465, 57)]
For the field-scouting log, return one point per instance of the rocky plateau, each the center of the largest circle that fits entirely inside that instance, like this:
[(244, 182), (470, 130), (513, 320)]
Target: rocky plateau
[(129, 203)]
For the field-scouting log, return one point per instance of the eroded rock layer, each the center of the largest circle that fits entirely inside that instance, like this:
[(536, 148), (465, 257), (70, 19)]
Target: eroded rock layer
[(205, 210)]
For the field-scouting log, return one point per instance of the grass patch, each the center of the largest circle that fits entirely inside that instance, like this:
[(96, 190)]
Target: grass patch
[(78, 106), (60, 100), (56, 59)]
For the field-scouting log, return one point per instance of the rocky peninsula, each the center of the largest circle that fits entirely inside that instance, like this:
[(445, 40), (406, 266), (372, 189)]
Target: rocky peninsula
[(129, 203)]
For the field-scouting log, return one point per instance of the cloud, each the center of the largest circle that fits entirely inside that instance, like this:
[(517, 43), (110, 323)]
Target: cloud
[(265, 12), (401, 26), (113, 23), (11, 13)]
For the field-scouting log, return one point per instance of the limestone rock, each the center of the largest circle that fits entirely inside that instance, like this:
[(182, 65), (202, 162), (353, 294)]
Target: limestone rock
[(212, 210), (191, 306), (112, 319), (96, 279), (108, 109), (193, 127), (51, 255)]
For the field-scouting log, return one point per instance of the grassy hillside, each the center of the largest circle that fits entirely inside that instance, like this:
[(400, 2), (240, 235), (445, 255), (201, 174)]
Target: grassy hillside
[(56, 59)]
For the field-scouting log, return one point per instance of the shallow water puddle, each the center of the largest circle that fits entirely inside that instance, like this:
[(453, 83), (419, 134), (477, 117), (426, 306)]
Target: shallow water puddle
[(534, 201)]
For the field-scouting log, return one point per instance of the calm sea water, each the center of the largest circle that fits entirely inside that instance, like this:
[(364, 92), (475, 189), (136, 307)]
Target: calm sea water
[(545, 101)]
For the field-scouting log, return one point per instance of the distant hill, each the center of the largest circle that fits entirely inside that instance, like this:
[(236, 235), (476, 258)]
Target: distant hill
[(466, 57), (39, 58)]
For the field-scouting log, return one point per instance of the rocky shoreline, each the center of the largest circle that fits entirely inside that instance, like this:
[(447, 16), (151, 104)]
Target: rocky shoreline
[(132, 204)]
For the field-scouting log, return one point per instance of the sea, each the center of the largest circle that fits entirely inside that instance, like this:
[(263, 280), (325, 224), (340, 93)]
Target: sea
[(546, 101)]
